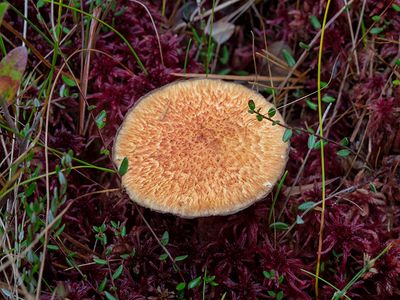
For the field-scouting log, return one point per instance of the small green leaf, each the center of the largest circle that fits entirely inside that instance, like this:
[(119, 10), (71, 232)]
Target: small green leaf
[(118, 272), (396, 7), (225, 55), (165, 238), (267, 274), (304, 46), (287, 135), (163, 256), (270, 90), (271, 293), (99, 261), (288, 58), (102, 285), (306, 205), (323, 84), (194, 283), (396, 82), (52, 247), (40, 4), (123, 168), (315, 22), (124, 256), (101, 119), (271, 112), (68, 81), (3, 9), (372, 187), (312, 139), (281, 278), (259, 118), (180, 286), (376, 30), (318, 144), (279, 296), (397, 62), (279, 226), (311, 104), (104, 151), (344, 142), (252, 105), (343, 152), (299, 220), (376, 18), (91, 107), (328, 99), (123, 231), (181, 257), (109, 296)]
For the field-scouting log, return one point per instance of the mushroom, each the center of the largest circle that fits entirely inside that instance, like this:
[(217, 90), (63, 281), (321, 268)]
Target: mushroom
[(194, 150)]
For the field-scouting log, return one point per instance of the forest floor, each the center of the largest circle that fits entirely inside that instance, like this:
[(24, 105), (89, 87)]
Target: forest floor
[(70, 71)]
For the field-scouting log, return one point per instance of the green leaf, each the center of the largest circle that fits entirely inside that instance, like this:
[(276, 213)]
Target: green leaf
[(288, 58), (311, 104), (312, 139), (279, 226), (315, 22), (304, 46), (345, 142), (323, 84), (123, 168), (118, 272), (109, 296), (102, 285), (101, 119), (40, 4), (267, 274), (251, 104), (343, 152), (306, 205), (194, 283), (372, 187), (3, 9), (104, 151), (279, 296), (181, 257), (328, 99), (318, 144), (12, 68), (396, 82), (271, 112), (165, 238), (271, 293), (396, 7), (281, 278), (287, 135), (397, 62), (299, 220), (99, 261), (376, 30), (180, 286), (163, 256), (376, 18), (259, 118), (68, 81), (52, 247), (225, 55)]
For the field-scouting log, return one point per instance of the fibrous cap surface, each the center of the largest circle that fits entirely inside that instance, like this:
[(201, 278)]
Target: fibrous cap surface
[(195, 150)]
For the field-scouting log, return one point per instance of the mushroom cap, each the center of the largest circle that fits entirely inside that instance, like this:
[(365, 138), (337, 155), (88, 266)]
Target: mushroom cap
[(194, 150)]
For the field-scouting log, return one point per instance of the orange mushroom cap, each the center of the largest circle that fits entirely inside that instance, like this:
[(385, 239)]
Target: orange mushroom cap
[(194, 149)]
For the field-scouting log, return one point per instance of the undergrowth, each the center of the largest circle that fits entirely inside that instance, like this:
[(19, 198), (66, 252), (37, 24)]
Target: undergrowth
[(70, 70)]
